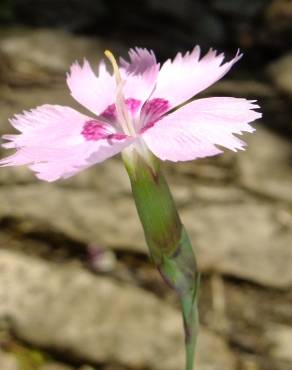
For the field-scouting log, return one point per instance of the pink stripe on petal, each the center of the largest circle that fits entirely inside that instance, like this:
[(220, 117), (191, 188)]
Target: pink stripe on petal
[(133, 105), (187, 75), (94, 130), (109, 114), (152, 110), (196, 129)]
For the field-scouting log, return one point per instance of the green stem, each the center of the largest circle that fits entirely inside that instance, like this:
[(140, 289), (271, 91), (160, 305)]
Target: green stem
[(191, 327), (168, 242), (179, 271)]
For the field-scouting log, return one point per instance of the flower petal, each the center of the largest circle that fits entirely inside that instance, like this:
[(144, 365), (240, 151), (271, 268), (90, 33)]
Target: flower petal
[(94, 93), (140, 74), (52, 145), (140, 61), (195, 130), (187, 75)]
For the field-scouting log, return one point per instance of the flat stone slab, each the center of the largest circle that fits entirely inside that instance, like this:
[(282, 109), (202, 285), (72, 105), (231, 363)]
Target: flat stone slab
[(265, 168), (246, 238), (97, 319), (280, 73)]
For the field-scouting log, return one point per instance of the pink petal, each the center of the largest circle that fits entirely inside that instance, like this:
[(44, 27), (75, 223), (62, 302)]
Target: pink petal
[(52, 145), (187, 75), (141, 86), (140, 61), (94, 93), (196, 129), (140, 74)]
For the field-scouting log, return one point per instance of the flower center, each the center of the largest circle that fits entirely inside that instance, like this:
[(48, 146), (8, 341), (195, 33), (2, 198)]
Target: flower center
[(110, 113), (122, 115)]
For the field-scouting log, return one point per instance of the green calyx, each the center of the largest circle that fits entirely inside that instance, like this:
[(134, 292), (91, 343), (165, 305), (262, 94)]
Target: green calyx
[(155, 206), (180, 269)]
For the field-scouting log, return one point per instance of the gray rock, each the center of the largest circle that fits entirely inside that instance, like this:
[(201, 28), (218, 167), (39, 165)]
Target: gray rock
[(280, 337), (280, 73), (217, 194), (8, 361), (245, 240), (30, 51), (89, 216), (97, 206), (56, 366), (15, 175), (96, 319), (232, 232), (265, 168)]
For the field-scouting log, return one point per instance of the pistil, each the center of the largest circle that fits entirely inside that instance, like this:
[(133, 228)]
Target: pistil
[(115, 66), (122, 110)]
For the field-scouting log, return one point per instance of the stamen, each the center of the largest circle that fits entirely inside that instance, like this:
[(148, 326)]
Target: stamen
[(115, 66)]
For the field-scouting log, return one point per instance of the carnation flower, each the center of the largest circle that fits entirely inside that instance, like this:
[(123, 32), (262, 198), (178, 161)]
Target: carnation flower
[(139, 106)]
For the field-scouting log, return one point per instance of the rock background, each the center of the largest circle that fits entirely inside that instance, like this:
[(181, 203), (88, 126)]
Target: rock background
[(77, 288), (259, 25)]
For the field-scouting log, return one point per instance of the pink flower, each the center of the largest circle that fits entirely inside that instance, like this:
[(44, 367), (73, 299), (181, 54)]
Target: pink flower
[(141, 105)]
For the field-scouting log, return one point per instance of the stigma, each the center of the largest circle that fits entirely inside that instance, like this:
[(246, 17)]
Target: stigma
[(114, 64)]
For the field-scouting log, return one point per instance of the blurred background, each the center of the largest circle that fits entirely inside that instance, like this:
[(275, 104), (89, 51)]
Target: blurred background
[(77, 290)]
